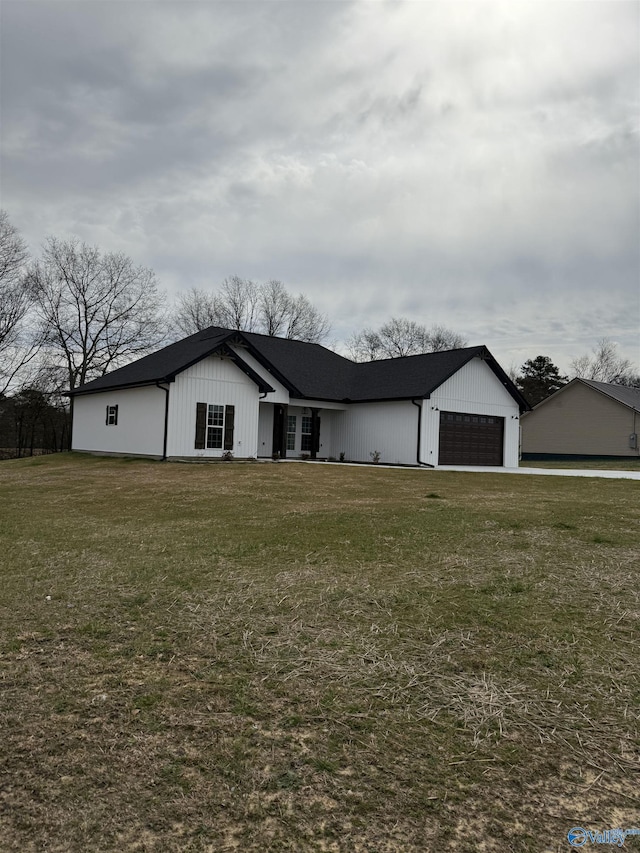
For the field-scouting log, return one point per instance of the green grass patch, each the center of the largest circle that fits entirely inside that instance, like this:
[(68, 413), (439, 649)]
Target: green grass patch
[(295, 657)]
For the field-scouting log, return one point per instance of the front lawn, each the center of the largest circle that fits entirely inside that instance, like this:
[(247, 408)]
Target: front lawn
[(298, 657)]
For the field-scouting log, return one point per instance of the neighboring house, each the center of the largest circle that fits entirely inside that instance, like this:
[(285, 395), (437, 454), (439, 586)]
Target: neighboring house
[(584, 418), (223, 391)]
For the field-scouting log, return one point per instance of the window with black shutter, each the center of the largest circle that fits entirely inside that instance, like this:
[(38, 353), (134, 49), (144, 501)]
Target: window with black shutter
[(214, 426)]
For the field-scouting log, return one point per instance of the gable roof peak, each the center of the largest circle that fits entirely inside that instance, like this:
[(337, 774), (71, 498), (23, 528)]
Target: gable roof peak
[(308, 370)]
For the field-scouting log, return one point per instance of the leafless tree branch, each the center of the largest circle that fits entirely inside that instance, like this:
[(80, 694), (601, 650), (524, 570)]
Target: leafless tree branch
[(96, 311)]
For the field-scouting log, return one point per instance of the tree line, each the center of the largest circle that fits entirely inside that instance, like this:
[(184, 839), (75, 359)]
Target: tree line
[(76, 312), (539, 377)]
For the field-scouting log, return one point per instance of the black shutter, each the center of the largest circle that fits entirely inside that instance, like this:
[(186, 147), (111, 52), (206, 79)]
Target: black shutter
[(115, 416), (201, 425), (107, 418), (229, 415)]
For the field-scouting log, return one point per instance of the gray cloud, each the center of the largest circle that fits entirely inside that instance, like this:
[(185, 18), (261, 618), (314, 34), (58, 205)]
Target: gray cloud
[(470, 164)]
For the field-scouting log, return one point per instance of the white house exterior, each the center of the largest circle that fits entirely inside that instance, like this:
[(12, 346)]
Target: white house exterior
[(140, 421), (223, 393)]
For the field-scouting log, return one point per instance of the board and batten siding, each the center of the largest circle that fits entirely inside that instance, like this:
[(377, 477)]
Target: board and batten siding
[(213, 380), (265, 429), (474, 390), (390, 428), (280, 394), (581, 421), (140, 427)]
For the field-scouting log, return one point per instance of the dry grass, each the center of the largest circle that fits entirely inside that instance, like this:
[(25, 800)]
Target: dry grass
[(298, 657)]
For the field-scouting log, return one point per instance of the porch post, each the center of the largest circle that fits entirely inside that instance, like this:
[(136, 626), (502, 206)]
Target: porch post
[(315, 432)]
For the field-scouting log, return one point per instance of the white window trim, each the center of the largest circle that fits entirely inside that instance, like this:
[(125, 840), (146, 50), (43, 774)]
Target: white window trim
[(209, 426)]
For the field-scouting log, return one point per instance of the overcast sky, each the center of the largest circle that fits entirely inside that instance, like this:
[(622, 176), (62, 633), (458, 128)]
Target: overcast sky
[(475, 164)]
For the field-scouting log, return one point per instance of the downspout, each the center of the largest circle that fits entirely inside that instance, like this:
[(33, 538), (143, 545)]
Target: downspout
[(166, 420), (422, 464), (70, 424)]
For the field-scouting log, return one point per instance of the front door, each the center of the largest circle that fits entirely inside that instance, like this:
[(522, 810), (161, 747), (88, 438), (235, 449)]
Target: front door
[(279, 431)]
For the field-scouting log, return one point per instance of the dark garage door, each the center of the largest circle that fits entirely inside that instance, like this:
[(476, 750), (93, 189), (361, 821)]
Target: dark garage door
[(470, 439)]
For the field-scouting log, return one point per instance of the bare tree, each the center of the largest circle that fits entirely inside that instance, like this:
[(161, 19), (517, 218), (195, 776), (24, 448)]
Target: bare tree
[(400, 337), (280, 313), (306, 323), (97, 311), (274, 307), (606, 365), (243, 304), (365, 346), (17, 347), (237, 303), (195, 310), (439, 339)]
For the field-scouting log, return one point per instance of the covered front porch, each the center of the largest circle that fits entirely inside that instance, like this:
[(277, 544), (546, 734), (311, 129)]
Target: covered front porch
[(300, 429)]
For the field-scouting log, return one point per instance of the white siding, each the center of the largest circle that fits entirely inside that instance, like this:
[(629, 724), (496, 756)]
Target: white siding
[(140, 427), (213, 380), (389, 428), (474, 389), (327, 419), (265, 430), (280, 393)]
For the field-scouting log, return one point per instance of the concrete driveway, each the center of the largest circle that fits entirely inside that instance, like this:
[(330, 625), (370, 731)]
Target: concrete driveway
[(546, 472), (487, 469)]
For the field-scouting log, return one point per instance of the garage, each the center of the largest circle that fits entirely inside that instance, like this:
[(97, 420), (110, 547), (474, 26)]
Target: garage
[(467, 439)]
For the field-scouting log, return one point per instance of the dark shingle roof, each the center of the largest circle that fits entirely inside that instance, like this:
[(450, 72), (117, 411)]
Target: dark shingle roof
[(628, 396), (411, 376), (308, 370), (166, 363)]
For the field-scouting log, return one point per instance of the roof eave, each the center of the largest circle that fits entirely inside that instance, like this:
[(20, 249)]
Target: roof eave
[(222, 347), (264, 361), (120, 386)]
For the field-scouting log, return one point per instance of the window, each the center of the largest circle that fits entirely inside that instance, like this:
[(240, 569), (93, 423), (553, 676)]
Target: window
[(291, 432), (305, 444), (112, 416), (215, 427)]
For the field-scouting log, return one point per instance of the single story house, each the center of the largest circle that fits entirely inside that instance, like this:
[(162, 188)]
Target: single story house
[(222, 391), (584, 418)]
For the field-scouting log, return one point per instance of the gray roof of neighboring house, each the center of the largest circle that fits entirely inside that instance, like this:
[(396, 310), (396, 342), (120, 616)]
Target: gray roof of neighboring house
[(308, 370), (627, 396)]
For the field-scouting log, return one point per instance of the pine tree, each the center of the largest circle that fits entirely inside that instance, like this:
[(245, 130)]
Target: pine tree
[(538, 378)]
